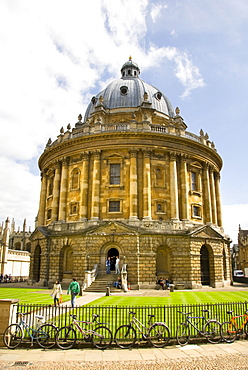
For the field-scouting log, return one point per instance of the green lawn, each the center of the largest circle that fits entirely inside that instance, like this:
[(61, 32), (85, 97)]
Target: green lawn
[(42, 296), (176, 298), (29, 296)]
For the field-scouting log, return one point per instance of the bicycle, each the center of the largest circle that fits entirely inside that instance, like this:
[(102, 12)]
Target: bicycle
[(230, 329), (157, 334), (101, 336), (44, 335), (210, 328)]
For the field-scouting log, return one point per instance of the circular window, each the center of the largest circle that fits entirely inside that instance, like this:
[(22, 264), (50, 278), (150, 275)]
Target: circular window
[(158, 95), (124, 90), (94, 100)]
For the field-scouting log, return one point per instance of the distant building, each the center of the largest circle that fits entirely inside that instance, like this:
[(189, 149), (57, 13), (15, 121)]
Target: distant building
[(128, 180), (242, 251), (14, 251)]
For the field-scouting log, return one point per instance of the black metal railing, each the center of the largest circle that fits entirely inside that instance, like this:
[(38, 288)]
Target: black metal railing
[(118, 315)]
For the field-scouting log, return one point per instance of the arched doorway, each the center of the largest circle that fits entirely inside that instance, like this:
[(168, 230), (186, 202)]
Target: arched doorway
[(224, 265), (112, 253), (68, 263), (205, 270), (163, 262), (36, 263)]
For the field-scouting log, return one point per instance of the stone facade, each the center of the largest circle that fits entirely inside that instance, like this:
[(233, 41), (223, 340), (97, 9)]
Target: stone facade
[(15, 251), (131, 181)]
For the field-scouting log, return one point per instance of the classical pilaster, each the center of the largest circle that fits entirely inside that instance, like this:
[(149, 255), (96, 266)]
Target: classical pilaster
[(95, 203), (63, 189), (174, 187), (184, 189), (218, 199), (56, 190), (213, 197), (147, 205), (133, 185), (83, 213), (206, 195), (43, 195)]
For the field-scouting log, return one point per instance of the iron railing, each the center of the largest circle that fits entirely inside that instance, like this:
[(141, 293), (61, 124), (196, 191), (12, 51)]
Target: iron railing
[(118, 315)]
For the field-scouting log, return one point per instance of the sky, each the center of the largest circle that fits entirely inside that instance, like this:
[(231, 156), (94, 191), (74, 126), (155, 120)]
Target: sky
[(55, 55)]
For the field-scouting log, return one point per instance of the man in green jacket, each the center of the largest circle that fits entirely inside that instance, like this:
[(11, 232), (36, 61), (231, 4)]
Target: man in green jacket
[(74, 289)]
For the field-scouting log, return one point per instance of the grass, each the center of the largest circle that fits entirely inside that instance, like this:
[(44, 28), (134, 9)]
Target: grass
[(42, 296), (29, 296), (176, 298)]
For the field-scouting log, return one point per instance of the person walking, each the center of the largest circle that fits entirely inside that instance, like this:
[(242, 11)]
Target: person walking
[(56, 293), (108, 263), (73, 289), (117, 265)]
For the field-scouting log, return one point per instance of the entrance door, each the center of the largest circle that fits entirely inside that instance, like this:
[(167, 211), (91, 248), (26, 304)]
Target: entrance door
[(205, 271), (36, 264), (113, 253)]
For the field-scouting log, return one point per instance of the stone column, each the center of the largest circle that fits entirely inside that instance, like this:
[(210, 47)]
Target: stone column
[(133, 185), (173, 187), (43, 195), (147, 209), (95, 203), (83, 213), (63, 189), (5, 247), (55, 203), (218, 199), (207, 212), (213, 197), (184, 189)]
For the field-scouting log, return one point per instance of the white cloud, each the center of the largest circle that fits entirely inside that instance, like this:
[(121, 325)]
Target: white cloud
[(156, 11)]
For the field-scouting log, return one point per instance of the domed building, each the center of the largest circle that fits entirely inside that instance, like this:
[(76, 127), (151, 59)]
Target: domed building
[(129, 181)]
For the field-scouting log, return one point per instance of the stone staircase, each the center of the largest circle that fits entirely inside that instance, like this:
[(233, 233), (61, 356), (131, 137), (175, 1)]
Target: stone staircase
[(103, 281)]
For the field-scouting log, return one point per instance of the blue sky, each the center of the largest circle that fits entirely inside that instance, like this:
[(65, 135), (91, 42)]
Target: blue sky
[(56, 54)]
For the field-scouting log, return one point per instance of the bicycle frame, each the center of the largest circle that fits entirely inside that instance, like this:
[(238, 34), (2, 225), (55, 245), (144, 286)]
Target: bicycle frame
[(87, 333), (234, 322), (31, 331), (135, 322), (204, 321)]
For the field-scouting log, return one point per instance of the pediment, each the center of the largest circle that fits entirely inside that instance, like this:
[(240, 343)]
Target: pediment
[(206, 232), (111, 228), (38, 233)]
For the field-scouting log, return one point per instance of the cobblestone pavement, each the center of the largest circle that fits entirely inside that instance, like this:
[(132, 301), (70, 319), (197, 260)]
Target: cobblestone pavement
[(207, 356)]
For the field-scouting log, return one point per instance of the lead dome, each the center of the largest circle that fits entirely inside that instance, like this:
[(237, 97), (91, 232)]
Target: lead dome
[(130, 91)]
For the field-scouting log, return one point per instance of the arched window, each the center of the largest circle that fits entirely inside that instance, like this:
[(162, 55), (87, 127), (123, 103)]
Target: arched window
[(75, 178)]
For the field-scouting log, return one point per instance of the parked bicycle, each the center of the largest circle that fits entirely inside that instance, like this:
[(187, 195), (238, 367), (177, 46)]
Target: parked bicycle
[(100, 336), (157, 334), (210, 329), (44, 334), (231, 329)]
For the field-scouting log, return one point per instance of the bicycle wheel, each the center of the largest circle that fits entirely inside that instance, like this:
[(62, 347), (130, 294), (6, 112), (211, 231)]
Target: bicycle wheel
[(182, 334), (125, 336), (212, 331), (159, 335), (228, 332), (246, 329), (102, 337), (66, 337), (12, 336), (46, 335)]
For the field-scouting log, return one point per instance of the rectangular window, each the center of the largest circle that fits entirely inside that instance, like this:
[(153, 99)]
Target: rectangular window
[(193, 181), (114, 206), (115, 174), (49, 214), (196, 211)]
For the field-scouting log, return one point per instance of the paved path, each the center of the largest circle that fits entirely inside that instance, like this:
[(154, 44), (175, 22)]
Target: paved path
[(204, 356)]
